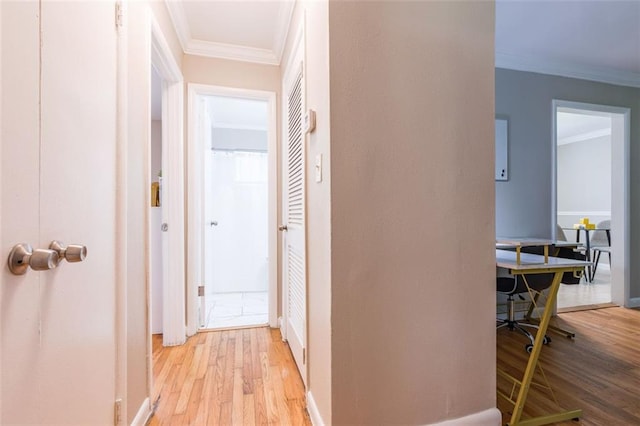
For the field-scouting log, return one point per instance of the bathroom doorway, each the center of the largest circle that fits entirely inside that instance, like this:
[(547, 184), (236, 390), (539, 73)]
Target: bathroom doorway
[(236, 214)]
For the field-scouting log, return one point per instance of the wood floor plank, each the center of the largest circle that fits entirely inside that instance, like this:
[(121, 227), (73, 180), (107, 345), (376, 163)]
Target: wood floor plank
[(598, 371), (247, 365), (229, 377), (249, 412), (190, 378), (260, 403), (237, 413)]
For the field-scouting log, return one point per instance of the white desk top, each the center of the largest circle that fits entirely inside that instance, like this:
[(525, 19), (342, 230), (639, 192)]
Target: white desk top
[(511, 242), (529, 262), (521, 242)]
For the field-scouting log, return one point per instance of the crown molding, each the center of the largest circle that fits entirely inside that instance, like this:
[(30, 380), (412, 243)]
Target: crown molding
[(566, 69), (180, 23), (231, 52), (282, 28)]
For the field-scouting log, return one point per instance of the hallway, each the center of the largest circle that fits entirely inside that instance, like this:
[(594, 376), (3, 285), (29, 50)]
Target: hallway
[(230, 377)]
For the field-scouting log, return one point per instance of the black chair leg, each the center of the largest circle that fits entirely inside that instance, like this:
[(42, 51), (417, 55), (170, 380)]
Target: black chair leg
[(596, 259)]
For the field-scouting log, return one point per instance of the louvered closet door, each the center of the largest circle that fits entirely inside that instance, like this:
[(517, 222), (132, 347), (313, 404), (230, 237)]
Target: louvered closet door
[(294, 213)]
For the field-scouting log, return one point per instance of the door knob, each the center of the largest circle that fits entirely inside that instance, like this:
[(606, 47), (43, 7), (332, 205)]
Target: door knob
[(283, 228), (71, 252), (22, 256)]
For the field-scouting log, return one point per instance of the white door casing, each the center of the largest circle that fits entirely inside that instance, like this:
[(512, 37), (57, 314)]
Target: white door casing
[(195, 191), (294, 270), (173, 215), (620, 177), (59, 183)]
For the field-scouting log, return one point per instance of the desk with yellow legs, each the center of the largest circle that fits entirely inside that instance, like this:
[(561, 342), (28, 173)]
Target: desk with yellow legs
[(525, 264)]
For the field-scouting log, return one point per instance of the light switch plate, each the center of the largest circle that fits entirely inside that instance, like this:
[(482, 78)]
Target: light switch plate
[(310, 121), (319, 168)]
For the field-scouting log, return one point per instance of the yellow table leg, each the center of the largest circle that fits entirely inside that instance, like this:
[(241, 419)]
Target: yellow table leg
[(537, 347)]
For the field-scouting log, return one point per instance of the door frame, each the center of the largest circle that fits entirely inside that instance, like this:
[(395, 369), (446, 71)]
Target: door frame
[(195, 192), (173, 299), (620, 201)]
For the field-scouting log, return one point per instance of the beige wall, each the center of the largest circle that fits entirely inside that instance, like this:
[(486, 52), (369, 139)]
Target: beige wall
[(412, 211), (227, 73), (315, 14)]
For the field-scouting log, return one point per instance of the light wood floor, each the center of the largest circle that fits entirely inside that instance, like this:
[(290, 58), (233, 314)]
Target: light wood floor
[(232, 377), (248, 376), (598, 371)]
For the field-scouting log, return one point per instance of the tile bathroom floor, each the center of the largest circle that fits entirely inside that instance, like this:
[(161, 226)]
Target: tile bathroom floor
[(229, 310)]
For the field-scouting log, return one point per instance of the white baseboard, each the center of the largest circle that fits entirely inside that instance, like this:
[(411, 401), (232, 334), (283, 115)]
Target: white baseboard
[(490, 417), (312, 408), (143, 414), (634, 302)]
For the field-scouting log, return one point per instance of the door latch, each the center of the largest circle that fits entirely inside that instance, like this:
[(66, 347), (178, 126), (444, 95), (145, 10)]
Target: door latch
[(22, 256)]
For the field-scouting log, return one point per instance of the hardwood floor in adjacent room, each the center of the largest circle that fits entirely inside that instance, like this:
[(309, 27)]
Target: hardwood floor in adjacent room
[(598, 372), (230, 377)]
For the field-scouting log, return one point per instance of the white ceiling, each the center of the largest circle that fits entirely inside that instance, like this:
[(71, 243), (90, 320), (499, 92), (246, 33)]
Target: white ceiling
[(596, 40), (253, 31), (577, 127)]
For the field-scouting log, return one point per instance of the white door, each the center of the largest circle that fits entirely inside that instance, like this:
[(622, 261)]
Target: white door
[(294, 256), (58, 182), (204, 133)]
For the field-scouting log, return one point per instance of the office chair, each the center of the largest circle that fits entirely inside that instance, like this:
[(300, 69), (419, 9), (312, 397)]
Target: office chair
[(515, 285), (600, 244)]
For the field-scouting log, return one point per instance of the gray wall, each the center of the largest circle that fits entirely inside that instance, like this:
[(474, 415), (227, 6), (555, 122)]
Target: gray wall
[(584, 181), (523, 203)]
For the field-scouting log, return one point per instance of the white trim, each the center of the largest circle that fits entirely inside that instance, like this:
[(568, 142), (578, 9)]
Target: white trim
[(173, 310), (143, 415), (231, 51), (566, 69), (314, 413), (489, 417), (161, 55), (180, 23), (195, 189), (283, 25), (620, 200)]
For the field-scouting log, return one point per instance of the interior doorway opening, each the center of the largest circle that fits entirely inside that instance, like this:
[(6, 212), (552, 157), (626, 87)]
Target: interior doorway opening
[(236, 258), (233, 208), (591, 185)]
